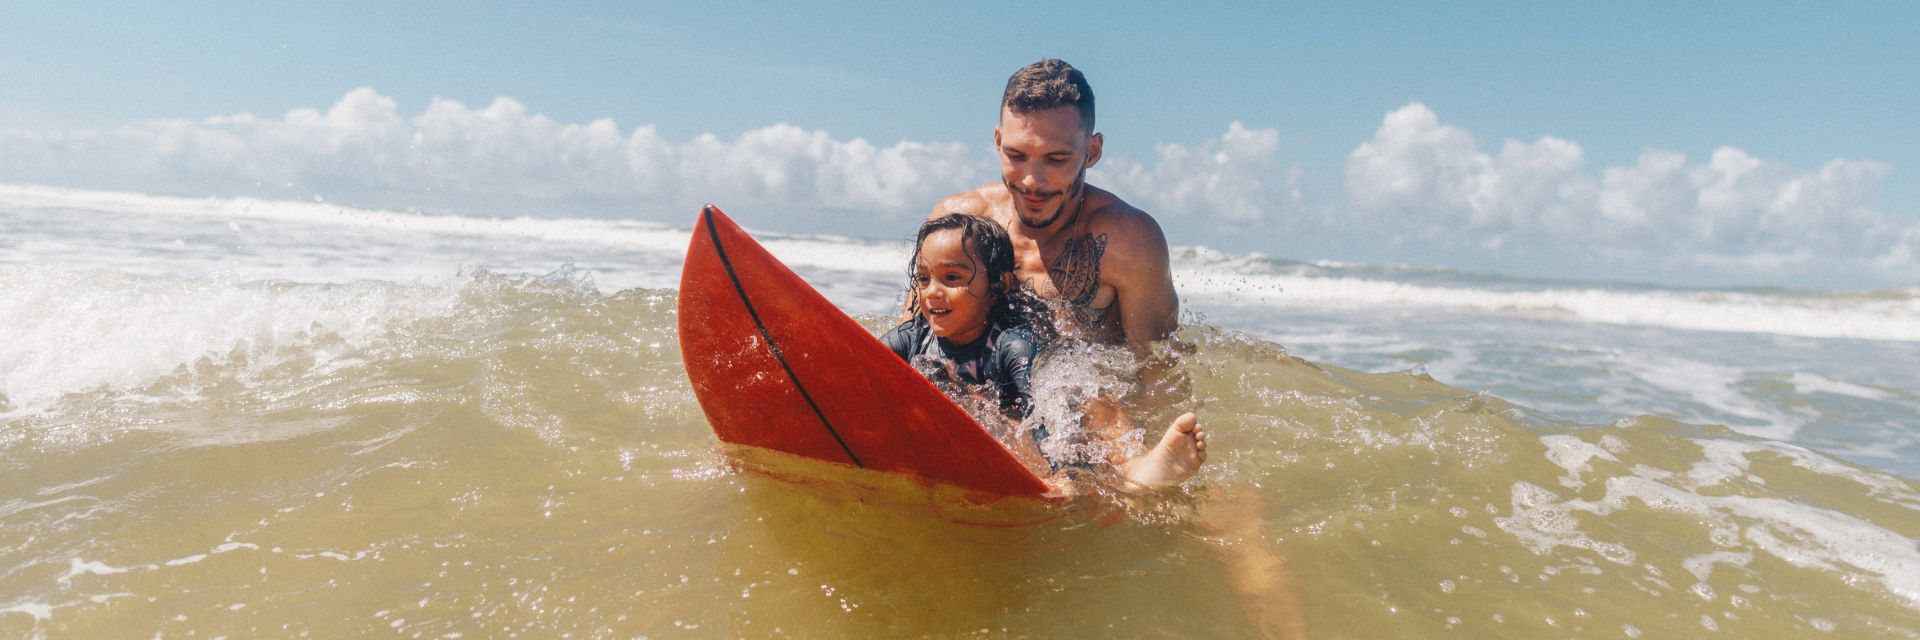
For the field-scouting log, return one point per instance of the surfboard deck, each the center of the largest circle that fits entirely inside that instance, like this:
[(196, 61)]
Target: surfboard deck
[(776, 366)]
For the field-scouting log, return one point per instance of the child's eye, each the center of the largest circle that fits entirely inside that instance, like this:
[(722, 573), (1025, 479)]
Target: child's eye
[(921, 281)]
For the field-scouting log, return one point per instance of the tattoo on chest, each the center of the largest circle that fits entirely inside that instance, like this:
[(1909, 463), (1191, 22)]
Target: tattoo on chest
[(1076, 272)]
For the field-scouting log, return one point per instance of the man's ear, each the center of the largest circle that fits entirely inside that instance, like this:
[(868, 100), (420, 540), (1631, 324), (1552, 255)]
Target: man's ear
[(1093, 147), (1006, 283)]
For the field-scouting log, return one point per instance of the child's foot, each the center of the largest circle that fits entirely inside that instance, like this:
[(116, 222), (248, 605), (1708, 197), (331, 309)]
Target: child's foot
[(1178, 455)]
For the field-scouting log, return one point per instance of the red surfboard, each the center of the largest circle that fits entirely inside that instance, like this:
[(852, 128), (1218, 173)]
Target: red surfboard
[(776, 366)]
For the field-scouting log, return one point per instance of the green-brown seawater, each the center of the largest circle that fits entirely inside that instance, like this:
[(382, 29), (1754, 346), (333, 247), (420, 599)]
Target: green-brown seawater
[(498, 457)]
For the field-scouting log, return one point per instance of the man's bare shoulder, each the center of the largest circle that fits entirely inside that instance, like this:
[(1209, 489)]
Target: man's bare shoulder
[(978, 202), (1129, 230)]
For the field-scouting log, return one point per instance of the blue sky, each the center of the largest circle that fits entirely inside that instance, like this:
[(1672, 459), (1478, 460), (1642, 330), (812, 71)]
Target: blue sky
[(1792, 88)]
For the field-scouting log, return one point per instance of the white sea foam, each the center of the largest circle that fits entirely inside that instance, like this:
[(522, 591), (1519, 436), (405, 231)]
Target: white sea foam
[(1863, 317), (1720, 461), (1572, 454), (71, 331), (1701, 566), (626, 236), (92, 567), (1880, 486), (39, 610), (1816, 383), (186, 560), (632, 234), (1800, 534), (1541, 520), (1716, 387)]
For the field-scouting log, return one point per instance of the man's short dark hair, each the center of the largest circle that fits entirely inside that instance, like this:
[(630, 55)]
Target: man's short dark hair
[(1049, 84)]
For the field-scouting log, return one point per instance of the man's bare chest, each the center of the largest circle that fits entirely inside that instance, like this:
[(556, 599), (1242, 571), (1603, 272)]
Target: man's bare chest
[(1067, 271)]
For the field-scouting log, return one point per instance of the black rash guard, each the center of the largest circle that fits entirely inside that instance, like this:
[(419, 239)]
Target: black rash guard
[(1001, 357)]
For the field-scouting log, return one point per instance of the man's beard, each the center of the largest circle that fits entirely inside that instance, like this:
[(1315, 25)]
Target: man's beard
[(1073, 197)]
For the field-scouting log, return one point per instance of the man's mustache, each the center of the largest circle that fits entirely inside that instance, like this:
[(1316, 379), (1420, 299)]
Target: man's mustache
[(1034, 194)]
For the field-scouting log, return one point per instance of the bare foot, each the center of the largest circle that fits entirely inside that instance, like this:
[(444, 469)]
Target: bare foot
[(1178, 455)]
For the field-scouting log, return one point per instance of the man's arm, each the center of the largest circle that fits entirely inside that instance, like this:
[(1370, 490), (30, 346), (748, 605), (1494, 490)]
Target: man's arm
[(1142, 281), (1149, 313)]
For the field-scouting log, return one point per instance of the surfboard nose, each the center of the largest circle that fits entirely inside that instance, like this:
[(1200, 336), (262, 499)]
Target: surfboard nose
[(714, 222)]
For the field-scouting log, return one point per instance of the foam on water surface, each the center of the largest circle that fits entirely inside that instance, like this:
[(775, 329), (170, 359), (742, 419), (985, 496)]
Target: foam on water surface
[(77, 331), (1737, 526), (1863, 317)]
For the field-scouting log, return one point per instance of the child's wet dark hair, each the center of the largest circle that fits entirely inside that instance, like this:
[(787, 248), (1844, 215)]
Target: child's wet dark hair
[(987, 243)]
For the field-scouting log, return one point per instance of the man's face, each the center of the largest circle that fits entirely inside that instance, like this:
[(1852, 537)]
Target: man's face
[(1044, 157)]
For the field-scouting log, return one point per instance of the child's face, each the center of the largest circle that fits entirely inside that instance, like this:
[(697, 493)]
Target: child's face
[(953, 288)]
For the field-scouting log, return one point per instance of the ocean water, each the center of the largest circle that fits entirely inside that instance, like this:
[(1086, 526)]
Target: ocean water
[(228, 417)]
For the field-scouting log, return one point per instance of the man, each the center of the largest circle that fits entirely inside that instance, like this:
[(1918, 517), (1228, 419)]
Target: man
[(1102, 259)]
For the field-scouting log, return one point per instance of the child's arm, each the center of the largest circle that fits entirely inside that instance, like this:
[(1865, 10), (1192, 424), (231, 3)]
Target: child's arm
[(901, 339), (1015, 351)]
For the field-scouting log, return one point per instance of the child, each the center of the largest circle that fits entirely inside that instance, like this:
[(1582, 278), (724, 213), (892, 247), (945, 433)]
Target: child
[(984, 330), (967, 312)]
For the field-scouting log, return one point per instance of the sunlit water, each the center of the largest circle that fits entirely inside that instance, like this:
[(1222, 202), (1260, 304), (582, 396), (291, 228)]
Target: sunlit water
[(253, 419)]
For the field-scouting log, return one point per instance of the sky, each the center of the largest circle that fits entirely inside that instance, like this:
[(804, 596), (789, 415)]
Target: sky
[(1700, 143)]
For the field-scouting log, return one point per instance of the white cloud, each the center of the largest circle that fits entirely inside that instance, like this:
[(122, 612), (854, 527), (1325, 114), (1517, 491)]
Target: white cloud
[(1632, 197), (362, 149), (502, 156), (1414, 166), (1418, 170), (1419, 185), (1904, 256), (1233, 181), (1734, 212)]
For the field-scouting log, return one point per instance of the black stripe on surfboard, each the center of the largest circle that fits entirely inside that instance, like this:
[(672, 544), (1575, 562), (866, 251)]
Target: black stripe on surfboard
[(706, 216)]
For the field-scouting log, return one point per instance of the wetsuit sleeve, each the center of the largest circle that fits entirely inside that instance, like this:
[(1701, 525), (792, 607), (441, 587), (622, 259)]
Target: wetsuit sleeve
[(1015, 353), (901, 340)]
